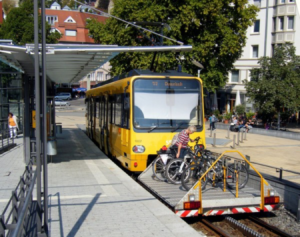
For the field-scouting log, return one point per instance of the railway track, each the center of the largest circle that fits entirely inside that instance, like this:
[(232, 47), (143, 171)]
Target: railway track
[(249, 226)]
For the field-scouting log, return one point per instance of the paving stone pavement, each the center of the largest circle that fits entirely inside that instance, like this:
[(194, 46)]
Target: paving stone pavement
[(90, 196)]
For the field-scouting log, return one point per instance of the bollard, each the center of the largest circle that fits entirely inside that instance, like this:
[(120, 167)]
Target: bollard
[(228, 133), (242, 136), (245, 136), (248, 159), (58, 128), (210, 133), (233, 147), (238, 139), (298, 213), (214, 140)]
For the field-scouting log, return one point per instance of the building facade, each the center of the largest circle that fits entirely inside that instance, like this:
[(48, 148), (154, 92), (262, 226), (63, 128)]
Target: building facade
[(277, 23), (71, 23)]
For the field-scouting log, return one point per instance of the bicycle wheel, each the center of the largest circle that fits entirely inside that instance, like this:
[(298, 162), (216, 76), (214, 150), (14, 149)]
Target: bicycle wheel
[(191, 175), (174, 170), (243, 176), (158, 168)]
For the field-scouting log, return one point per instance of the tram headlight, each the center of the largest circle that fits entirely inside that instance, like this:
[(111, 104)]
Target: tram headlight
[(138, 149)]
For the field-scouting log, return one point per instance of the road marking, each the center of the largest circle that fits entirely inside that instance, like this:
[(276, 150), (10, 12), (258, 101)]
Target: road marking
[(101, 179)]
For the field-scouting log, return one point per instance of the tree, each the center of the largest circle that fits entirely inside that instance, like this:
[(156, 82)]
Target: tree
[(8, 5), (275, 85), (19, 25), (215, 28)]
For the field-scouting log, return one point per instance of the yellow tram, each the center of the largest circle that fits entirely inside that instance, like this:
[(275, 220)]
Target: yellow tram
[(133, 115)]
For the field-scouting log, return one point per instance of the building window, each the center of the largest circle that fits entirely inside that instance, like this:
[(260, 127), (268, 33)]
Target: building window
[(235, 76), (274, 24), (257, 3), (71, 32), (291, 0), (255, 51), (272, 50), (282, 1), (99, 76), (281, 23), (290, 22), (256, 26)]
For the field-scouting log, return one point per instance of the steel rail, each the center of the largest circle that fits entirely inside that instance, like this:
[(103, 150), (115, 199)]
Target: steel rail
[(215, 228), (269, 227)]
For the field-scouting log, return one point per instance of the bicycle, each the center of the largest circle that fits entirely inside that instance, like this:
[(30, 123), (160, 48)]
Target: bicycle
[(159, 164), (193, 173), (175, 167)]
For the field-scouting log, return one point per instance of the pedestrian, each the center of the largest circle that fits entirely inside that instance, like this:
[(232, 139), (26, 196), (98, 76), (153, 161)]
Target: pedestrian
[(183, 139), (12, 125), (212, 120)]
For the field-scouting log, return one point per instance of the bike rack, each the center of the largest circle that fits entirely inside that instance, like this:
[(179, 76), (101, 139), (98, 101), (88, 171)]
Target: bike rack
[(263, 181)]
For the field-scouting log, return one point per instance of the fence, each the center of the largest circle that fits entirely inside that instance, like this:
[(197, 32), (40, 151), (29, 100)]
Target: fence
[(5, 141), (16, 214)]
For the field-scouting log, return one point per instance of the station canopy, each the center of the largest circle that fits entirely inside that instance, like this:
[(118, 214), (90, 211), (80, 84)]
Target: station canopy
[(70, 63)]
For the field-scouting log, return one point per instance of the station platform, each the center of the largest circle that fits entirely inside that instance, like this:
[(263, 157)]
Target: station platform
[(91, 196)]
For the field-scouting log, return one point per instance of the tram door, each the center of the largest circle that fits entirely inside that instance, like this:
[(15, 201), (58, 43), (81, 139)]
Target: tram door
[(101, 121), (105, 125), (93, 118)]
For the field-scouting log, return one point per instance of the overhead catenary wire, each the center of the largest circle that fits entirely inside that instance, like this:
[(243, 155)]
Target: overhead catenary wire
[(129, 23)]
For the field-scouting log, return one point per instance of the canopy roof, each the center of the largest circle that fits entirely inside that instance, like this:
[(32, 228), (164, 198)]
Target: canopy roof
[(70, 63)]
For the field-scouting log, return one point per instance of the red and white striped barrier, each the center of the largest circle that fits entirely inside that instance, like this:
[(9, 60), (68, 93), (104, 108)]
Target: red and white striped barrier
[(190, 213), (187, 213)]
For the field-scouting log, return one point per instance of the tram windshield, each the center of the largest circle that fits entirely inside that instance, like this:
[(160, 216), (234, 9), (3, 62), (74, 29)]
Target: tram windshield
[(167, 103)]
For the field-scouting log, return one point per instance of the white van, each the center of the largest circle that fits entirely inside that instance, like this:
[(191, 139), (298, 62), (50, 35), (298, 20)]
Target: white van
[(63, 96)]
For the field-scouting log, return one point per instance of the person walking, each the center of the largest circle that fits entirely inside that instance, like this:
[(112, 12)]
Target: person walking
[(12, 125)]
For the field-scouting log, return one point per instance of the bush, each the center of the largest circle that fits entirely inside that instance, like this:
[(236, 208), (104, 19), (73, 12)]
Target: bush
[(250, 115), (216, 113), (227, 116), (240, 109)]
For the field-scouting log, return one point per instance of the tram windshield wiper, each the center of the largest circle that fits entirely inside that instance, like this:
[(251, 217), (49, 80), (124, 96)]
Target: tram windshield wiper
[(152, 128), (178, 127)]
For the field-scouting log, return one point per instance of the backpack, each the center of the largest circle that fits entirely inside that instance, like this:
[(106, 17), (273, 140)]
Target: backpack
[(174, 140), (214, 119)]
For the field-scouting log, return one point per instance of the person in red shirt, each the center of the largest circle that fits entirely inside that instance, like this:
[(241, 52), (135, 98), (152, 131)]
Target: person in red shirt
[(183, 140)]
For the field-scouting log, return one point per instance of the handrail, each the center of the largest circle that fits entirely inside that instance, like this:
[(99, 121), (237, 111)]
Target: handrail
[(263, 181), (12, 220), (21, 218)]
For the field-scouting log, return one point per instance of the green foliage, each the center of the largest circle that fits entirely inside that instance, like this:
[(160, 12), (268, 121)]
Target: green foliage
[(215, 28), (276, 85), (227, 116), (19, 25), (250, 115), (216, 113), (240, 109)]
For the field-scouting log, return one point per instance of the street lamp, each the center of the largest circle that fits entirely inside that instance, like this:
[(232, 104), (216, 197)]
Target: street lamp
[(196, 63)]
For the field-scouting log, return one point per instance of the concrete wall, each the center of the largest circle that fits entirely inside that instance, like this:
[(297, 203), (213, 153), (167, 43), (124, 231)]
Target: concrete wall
[(289, 191)]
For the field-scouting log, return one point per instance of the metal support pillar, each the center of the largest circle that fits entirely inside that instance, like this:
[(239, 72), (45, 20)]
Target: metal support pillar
[(44, 122), (238, 139), (228, 133), (242, 136), (26, 122), (37, 115)]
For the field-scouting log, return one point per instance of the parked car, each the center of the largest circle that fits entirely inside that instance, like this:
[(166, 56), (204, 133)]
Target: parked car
[(59, 102), (63, 96)]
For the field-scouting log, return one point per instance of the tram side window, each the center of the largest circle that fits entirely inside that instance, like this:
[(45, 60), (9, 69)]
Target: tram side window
[(126, 111), (118, 110), (97, 108)]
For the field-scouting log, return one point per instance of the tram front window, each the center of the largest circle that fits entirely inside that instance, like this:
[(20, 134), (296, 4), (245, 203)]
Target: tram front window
[(167, 103)]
